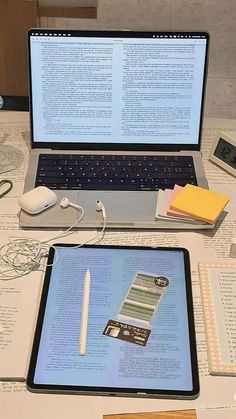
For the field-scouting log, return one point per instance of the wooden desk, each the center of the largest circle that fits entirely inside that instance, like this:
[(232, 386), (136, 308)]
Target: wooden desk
[(173, 414)]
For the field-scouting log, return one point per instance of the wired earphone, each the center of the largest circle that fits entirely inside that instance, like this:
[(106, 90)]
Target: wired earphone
[(99, 206), (23, 255)]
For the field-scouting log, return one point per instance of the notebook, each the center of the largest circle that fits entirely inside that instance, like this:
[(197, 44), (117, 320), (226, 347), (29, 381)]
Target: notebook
[(115, 116)]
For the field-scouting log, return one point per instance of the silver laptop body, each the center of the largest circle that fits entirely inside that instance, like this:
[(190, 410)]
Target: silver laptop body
[(138, 95)]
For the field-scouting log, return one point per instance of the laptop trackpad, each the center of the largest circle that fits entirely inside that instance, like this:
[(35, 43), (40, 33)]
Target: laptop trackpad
[(129, 207)]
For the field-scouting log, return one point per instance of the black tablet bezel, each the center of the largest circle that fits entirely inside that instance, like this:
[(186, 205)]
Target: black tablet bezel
[(116, 391)]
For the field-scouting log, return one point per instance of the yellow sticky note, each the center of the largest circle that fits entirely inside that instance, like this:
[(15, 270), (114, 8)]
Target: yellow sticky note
[(201, 204)]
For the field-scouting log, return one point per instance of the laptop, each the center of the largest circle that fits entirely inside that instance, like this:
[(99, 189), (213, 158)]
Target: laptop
[(115, 116)]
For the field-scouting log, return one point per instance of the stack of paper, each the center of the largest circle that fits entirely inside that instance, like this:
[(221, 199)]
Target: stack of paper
[(191, 204)]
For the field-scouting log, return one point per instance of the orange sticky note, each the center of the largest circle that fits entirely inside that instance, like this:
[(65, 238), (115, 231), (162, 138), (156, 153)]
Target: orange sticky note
[(173, 213), (201, 204)]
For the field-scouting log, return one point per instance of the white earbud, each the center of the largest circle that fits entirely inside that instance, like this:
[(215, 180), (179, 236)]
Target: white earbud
[(66, 203), (100, 207)]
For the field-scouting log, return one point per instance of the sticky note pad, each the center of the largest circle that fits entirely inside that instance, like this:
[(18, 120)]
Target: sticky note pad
[(172, 212), (201, 204)]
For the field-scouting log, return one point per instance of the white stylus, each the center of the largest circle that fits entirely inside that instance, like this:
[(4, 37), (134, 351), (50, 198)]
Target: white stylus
[(84, 317)]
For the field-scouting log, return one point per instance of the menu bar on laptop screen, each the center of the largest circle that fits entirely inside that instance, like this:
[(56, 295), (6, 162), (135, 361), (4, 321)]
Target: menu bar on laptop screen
[(117, 87)]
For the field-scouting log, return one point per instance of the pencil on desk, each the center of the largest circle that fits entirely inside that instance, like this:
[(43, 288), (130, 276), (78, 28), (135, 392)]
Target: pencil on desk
[(84, 316)]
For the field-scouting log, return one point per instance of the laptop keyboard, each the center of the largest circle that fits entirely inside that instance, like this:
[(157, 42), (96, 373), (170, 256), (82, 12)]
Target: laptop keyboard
[(114, 172)]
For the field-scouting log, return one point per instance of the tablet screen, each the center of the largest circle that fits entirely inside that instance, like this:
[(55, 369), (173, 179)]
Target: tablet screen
[(139, 330)]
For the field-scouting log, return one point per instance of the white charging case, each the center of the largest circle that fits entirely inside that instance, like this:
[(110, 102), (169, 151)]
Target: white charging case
[(37, 200)]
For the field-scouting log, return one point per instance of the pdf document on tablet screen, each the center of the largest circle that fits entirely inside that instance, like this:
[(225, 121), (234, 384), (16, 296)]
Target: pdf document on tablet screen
[(155, 356)]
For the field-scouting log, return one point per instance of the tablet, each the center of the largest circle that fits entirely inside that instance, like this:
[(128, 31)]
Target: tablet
[(132, 307)]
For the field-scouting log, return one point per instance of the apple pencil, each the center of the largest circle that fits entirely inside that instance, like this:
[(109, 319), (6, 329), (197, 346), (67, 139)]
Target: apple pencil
[(84, 317)]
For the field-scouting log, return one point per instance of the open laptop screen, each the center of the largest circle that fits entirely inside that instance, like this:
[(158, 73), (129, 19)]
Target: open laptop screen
[(141, 89)]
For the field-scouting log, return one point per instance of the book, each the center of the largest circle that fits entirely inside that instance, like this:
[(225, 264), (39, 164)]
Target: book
[(19, 299), (200, 203), (218, 290)]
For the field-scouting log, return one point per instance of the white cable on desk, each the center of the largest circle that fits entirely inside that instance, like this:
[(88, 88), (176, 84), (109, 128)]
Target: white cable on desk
[(23, 255)]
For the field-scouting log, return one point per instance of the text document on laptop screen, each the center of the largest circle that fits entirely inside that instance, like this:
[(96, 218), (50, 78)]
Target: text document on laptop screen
[(168, 361), (119, 88)]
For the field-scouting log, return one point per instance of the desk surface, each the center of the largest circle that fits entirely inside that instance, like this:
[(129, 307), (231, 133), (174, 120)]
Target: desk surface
[(19, 299), (174, 414)]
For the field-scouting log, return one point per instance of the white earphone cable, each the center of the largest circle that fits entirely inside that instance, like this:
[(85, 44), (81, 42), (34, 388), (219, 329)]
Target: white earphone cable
[(23, 255), (68, 230)]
